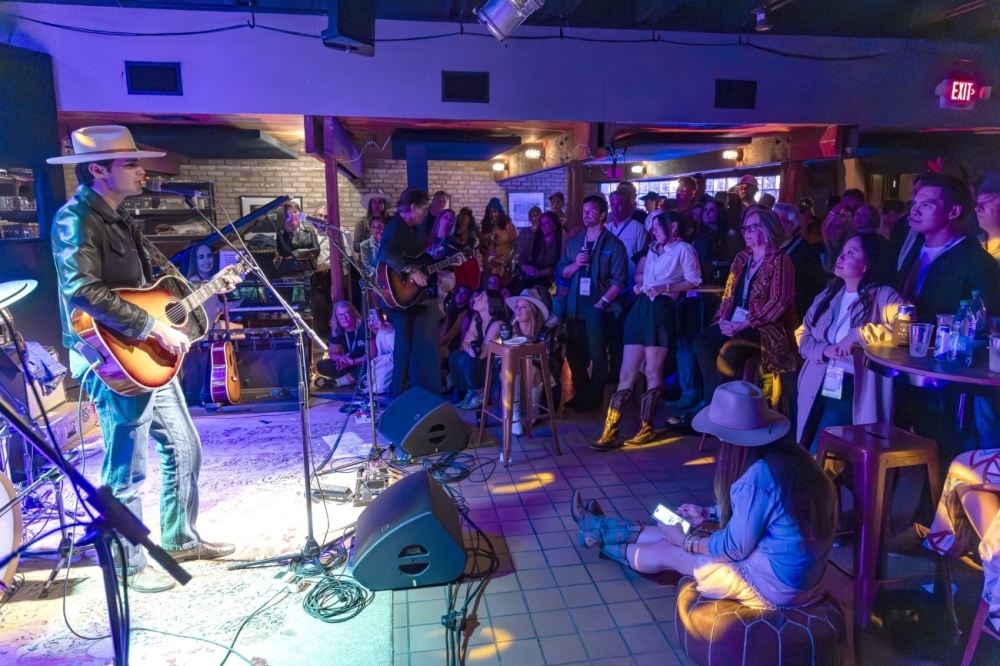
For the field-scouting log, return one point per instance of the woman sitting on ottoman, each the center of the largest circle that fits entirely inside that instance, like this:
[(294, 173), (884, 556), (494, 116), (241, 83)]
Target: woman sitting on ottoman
[(776, 510)]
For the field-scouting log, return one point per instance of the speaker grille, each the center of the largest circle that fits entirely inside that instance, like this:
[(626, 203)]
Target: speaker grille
[(153, 78), (735, 94), (468, 87)]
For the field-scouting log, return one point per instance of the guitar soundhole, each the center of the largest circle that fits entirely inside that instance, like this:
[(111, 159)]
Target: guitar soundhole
[(175, 313)]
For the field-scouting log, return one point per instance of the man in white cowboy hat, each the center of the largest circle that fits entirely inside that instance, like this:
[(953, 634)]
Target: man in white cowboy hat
[(98, 248)]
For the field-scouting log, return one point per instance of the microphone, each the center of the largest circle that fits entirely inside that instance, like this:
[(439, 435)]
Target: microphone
[(160, 185)]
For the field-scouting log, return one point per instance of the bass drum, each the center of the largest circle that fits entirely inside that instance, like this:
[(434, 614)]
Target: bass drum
[(10, 527)]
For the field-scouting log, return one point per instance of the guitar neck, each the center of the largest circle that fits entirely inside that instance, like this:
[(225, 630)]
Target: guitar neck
[(204, 292), (445, 263)]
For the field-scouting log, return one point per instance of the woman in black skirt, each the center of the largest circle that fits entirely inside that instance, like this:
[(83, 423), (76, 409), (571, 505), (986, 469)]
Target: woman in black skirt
[(669, 268)]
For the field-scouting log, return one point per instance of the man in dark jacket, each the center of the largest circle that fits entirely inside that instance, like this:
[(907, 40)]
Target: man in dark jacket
[(596, 265), (415, 359), (98, 248)]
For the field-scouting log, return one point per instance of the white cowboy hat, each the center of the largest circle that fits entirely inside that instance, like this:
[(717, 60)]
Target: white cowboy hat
[(377, 194), (532, 296), (102, 142), (739, 415)]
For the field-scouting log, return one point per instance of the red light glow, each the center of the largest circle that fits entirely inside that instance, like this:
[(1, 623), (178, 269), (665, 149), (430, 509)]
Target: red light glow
[(962, 91)]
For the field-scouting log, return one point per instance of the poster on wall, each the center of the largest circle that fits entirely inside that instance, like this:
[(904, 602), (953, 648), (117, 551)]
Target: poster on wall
[(520, 203)]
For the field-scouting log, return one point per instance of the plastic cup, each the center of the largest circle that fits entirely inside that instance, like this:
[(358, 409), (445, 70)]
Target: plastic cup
[(995, 353), (920, 339)]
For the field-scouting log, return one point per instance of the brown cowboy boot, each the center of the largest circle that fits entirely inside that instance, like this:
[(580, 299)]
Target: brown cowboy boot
[(611, 438), (650, 401)]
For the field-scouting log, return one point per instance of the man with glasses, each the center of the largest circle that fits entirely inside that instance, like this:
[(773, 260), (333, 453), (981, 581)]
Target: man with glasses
[(415, 360)]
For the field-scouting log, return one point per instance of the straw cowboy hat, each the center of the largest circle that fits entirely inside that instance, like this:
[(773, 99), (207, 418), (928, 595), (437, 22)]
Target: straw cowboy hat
[(739, 415), (377, 194), (534, 296), (103, 142)]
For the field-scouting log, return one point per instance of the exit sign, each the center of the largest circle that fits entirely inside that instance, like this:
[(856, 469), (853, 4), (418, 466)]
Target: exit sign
[(961, 93)]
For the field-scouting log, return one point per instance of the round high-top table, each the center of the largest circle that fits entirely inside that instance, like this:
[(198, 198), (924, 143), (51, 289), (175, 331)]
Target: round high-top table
[(884, 359)]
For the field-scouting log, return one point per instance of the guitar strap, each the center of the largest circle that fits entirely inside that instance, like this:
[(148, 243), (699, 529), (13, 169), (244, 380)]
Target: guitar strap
[(158, 259)]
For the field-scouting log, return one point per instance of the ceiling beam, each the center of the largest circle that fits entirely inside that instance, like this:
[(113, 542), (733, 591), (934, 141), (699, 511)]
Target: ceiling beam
[(327, 139)]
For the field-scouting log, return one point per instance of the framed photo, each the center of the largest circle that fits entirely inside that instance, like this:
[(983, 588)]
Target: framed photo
[(261, 234), (520, 203)]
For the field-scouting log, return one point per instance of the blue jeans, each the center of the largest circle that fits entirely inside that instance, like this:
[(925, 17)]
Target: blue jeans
[(126, 424)]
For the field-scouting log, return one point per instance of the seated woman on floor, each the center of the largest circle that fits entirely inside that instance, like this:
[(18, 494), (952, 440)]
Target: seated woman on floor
[(467, 365), (668, 269), (855, 309), (776, 510), (348, 340), (757, 313)]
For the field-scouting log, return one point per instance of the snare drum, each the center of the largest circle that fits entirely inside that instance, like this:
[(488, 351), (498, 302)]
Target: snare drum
[(10, 527)]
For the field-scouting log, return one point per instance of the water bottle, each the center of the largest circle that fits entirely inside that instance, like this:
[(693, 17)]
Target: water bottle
[(963, 328), (979, 312)]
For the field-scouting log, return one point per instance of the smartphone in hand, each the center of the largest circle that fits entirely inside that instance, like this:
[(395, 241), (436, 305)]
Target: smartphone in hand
[(668, 516)]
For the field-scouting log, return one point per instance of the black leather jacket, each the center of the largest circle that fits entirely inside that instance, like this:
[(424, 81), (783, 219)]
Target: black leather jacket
[(96, 250)]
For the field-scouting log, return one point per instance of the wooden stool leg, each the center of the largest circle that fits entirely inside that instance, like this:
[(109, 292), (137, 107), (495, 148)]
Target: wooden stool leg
[(486, 396), (547, 382), (507, 375), (524, 368), (701, 444), (869, 527), (975, 632)]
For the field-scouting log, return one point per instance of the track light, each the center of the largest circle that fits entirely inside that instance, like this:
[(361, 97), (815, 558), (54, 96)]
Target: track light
[(763, 16), (503, 17)]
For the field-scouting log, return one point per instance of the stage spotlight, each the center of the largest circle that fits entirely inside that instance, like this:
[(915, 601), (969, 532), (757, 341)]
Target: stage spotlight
[(502, 17), (763, 16)]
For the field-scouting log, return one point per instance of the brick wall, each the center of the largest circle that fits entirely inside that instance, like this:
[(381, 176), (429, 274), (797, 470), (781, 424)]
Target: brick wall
[(549, 181), (469, 183)]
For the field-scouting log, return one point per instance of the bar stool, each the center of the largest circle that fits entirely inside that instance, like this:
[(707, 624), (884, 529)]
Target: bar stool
[(872, 450), (514, 361)]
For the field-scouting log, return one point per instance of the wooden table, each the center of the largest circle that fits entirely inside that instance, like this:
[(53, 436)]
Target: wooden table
[(884, 359)]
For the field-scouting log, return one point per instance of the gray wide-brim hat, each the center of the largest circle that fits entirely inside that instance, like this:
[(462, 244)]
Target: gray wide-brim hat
[(739, 415)]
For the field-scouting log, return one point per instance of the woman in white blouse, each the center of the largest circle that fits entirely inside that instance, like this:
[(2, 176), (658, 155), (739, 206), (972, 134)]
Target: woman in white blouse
[(669, 268), (857, 308)]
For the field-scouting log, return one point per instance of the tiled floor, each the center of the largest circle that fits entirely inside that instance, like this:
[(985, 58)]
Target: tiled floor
[(553, 602)]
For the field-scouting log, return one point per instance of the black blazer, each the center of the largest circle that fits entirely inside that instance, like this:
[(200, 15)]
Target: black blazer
[(951, 278)]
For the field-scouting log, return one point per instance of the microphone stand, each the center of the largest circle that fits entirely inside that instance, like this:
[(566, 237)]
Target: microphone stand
[(367, 287), (113, 519), (310, 551)]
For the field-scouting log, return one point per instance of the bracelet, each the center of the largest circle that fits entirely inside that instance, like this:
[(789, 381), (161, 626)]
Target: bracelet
[(604, 299)]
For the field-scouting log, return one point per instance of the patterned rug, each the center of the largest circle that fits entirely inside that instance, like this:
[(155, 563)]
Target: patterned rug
[(252, 495)]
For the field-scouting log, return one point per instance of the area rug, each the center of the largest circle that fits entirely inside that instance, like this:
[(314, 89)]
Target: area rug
[(252, 494)]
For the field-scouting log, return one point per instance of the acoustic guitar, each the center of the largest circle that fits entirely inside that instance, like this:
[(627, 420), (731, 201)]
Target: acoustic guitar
[(132, 367), (224, 373), (400, 291)]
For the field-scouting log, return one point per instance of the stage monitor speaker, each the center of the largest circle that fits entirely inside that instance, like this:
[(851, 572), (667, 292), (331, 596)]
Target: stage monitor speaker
[(423, 424), (409, 536)]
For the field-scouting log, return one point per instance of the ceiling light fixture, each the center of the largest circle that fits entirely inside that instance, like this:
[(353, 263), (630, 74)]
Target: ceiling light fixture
[(533, 153), (763, 17), (638, 169), (733, 154), (499, 166), (503, 17)]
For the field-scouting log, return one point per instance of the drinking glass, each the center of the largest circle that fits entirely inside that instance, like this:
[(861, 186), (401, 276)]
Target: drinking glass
[(920, 339), (995, 353)]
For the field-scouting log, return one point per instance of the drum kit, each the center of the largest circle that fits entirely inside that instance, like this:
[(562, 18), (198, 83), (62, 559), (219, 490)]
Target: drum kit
[(16, 501)]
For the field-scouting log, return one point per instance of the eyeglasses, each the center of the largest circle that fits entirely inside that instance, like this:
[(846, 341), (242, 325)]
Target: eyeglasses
[(750, 228)]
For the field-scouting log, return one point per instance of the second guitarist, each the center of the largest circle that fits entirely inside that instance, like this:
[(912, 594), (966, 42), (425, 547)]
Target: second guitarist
[(415, 361), (97, 248)]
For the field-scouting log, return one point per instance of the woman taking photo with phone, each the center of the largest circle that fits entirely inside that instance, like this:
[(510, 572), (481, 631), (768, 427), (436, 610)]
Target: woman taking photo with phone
[(776, 513)]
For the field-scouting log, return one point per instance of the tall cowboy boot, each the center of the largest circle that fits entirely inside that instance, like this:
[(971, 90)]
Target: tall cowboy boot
[(611, 438), (617, 534), (596, 530), (650, 402)]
